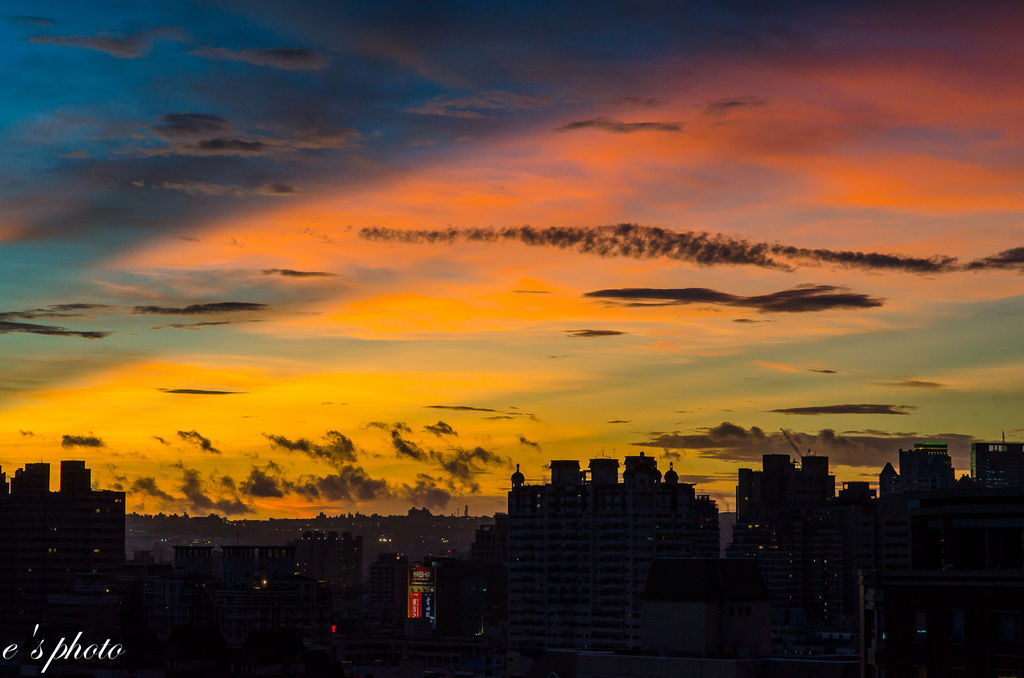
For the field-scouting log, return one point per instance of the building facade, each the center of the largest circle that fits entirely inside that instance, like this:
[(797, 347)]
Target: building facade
[(50, 537), (580, 548)]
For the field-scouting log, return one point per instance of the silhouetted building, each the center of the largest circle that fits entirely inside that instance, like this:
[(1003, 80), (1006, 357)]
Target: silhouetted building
[(781, 485), (997, 464), (925, 467), (460, 597), (336, 559), (295, 603), (781, 522), (194, 560), (50, 537), (389, 583), (722, 604), (248, 566), (491, 542), (580, 549), (949, 600)]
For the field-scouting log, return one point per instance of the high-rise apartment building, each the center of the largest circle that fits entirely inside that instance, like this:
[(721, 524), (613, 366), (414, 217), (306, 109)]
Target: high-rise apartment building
[(50, 537), (580, 548), (330, 557)]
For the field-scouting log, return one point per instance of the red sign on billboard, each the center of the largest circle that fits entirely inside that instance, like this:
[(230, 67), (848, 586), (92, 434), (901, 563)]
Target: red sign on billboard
[(421, 576), (415, 605)]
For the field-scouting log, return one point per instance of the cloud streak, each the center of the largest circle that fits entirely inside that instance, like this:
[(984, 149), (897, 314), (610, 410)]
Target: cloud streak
[(199, 440), (336, 448), (197, 391), (593, 333), (802, 299), (649, 242), (201, 309), (285, 58), (619, 127), (290, 273), (862, 408), (10, 326), (128, 46), (81, 441)]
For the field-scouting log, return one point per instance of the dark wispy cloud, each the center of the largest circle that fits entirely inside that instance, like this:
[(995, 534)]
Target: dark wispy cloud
[(913, 383), (10, 326), (197, 391), (725, 435), (208, 189), (648, 242), (428, 492), (350, 483), (201, 309), (1012, 258), (593, 333), (407, 448), (823, 371), (803, 299), (862, 408), (635, 101), (512, 413), (52, 311), (192, 487), (478, 105), (127, 46), (147, 485), (173, 125), (290, 273), (196, 326), (529, 443), (440, 429), (195, 438), (723, 106), (286, 58), (619, 127), (619, 421), (206, 134), (259, 484), (336, 448), (463, 463), (81, 441), (461, 408)]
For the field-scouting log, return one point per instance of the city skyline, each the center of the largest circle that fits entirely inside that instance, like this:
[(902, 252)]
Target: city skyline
[(267, 263)]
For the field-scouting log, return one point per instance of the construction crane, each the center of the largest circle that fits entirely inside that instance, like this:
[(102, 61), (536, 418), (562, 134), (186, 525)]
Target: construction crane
[(810, 453)]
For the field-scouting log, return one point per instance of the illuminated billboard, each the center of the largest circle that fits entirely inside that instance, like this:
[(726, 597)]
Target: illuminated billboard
[(421, 576), (415, 605), (422, 593)]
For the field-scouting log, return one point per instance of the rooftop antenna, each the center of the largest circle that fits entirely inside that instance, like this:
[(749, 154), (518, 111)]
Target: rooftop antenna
[(1004, 435)]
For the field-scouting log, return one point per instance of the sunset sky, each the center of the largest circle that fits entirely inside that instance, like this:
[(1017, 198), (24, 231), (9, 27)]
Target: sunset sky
[(267, 259)]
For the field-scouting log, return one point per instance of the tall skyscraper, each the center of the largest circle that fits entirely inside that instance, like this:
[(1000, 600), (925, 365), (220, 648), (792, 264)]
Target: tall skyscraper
[(49, 537), (580, 548), (925, 467), (997, 464)]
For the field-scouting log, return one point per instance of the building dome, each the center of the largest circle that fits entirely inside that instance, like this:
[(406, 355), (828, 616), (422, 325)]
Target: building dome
[(671, 477), (518, 478)]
